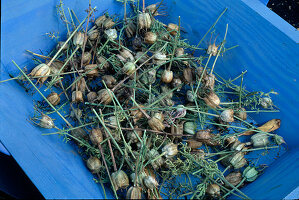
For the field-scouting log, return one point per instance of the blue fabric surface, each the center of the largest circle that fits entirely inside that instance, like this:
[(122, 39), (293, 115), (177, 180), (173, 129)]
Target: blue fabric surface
[(270, 56)]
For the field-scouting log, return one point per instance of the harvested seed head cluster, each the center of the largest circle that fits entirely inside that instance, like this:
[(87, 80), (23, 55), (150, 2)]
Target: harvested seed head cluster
[(146, 111)]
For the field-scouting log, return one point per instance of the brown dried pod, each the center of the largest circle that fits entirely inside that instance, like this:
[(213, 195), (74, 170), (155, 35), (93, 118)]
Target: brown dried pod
[(91, 96), (130, 29), (150, 37), (91, 71), (129, 68), (41, 70), (141, 57), (206, 137), (56, 66), (194, 144), (109, 80), (134, 192), (96, 136), (77, 97), (93, 34), (227, 115), (213, 190), (86, 57), (188, 74), (60, 44), (177, 82), (156, 124), (132, 136), (108, 23), (77, 112), (209, 81), (237, 146), (201, 72), (120, 180), (53, 98), (144, 21), (80, 85), (105, 96), (79, 39), (170, 150), (233, 178), (230, 140), (46, 122), (136, 113), (154, 154), (150, 182), (167, 76), (172, 29), (126, 55), (78, 133), (103, 64), (211, 99), (94, 164), (241, 113), (100, 20), (159, 58)]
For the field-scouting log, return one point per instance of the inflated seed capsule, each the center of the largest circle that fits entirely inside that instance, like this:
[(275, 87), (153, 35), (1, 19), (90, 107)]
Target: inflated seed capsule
[(227, 115), (120, 180), (79, 39), (177, 82), (250, 174), (100, 20), (130, 29), (189, 127), (111, 34), (211, 99), (233, 178), (260, 140), (150, 182), (150, 37), (91, 71), (167, 76), (170, 150), (91, 96), (96, 136), (241, 113), (46, 122), (156, 123), (41, 70), (77, 97), (93, 35), (266, 102), (109, 80), (144, 21), (134, 192), (53, 98), (190, 97), (213, 190), (94, 164), (86, 58), (105, 96), (172, 29), (129, 68), (77, 112), (126, 55)]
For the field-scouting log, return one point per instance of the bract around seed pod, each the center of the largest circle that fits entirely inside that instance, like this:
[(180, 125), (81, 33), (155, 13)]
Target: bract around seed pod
[(131, 135), (250, 174), (129, 68), (111, 34), (260, 140), (94, 164), (96, 136), (227, 115), (209, 81), (152, 9), (46, 122), (105, 96), (233, 178), (53, 98), (134, 192), (120, 180), (213, 190), (170, 150), (144, 21), (150, 37), (78, 39), (77, 97), (109, 80), (41, 70), (189, 127), (160, 58)]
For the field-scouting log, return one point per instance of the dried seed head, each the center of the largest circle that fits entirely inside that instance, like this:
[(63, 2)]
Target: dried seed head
[(54, 98), (111, 34), (172, 29), (211, 99), (96, 136), (78, 133), (41, 70), (237, 146), (91, 96), (159, 58), (152, 154), (131, 136), (130, 29), (129, 68), (156, 124), (86, 58), (100, 20), (60, 44), (213, 190), (227, 115), (237, 160), (76, 112), (193, 144), (91, 71), (167, 76), (190, 97), (241, 113), (150, 37), (126, 55), (177, 82), (250, 174), (188, 74), (46, 122), (140, 177), (103, 64), (170, 150), (136, 113), (56, 66), (212, 49), (93, 35), (109, 80), (108, 23), (140, 57), (77, 97), (234, 178), (206, 137), (150, 182), (260, 140), (94, 164), (120, 180), (144, 21), (266, 102), (79, 39), (230, 140), (151, 9), (165, 89), (209, 81), (105, 96), (134, 192), (190, 127)]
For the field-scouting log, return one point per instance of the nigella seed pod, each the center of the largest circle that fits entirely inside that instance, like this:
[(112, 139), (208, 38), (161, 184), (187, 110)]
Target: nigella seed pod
[(150, 182), (190, 97), (100, 20), (237, 146), (233, 178), (170, 150), (188, 74), (241, 113), (80, 85), (156, 124), (93, 35), (259, 140), (78, 133), (126, 55), (177, 82), (55, 67), (211, 99), (136, 113), (91, 71), (144, 21), (120, 180), (86, 58), (212, 49), (91, 96), (108, 23), (190, 127), (206, 137), (227, 115), (79, 39), (53, 98), (213, 190), (152, 9), (230, 140), (209, 81), (149, 77), (193, 144), (137, 43), (103, 64), (181, 110), (237, 160), (109, 80), (105, 96), (129, 68), (150, 37), (77, 112), (41, 70), (46, 122), (131, 136), (94, 164), (130, 29), (60, 44), (167, 76), (96, 136), (141, 57), (172, 29), (266, 102), (111, 34), (153, 153), (134, 192), (139, 178), (77, 97), (159, 58), (250, 174), (278, 140)]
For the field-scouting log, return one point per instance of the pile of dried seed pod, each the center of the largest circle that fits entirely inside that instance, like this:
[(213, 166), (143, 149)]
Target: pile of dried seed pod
[(144, 110)]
